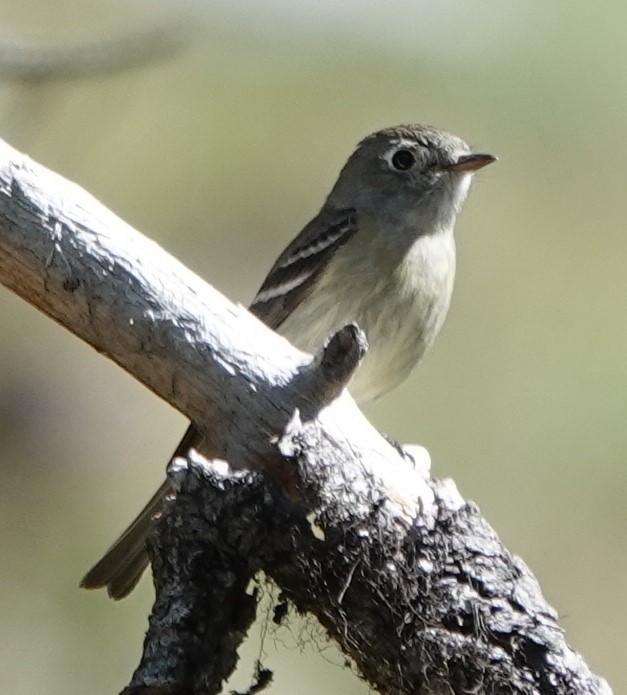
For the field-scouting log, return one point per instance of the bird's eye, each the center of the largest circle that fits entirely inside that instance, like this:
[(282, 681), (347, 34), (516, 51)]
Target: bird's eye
[(402, 160)]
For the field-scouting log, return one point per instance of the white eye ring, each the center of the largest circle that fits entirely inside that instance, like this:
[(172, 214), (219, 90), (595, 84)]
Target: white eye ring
[(401, 159)]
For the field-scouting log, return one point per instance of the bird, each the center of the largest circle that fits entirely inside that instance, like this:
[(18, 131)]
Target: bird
[(380, 254)]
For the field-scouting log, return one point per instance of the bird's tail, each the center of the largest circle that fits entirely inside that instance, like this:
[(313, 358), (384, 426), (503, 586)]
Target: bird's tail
[(123, 564)]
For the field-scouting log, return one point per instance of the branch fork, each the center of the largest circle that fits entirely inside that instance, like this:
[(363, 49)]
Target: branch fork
[(406, 576)]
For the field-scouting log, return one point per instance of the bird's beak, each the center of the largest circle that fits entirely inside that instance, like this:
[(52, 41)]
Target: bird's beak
[(472, 162)]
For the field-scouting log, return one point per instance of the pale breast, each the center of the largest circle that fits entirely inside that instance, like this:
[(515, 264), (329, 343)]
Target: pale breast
[(400, 307)]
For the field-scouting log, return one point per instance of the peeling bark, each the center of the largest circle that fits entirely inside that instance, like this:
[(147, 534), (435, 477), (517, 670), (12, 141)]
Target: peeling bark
[(405, 575)]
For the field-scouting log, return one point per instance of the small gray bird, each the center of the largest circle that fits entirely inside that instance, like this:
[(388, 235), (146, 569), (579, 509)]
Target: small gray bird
[(381, 254)]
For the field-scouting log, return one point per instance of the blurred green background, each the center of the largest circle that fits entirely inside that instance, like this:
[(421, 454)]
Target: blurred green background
[(221, 152)]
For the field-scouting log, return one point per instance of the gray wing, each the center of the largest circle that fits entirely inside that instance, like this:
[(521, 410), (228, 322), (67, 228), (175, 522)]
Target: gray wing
[(287, 284), (301, 264)]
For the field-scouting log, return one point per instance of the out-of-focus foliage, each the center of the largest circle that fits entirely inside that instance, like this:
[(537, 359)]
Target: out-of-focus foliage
[(221, 153)]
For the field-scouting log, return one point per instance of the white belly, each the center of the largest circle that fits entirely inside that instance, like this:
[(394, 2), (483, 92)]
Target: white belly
[(400, 308)]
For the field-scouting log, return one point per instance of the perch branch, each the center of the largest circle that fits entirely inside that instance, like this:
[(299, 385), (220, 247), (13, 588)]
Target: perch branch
[(405, 575)]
